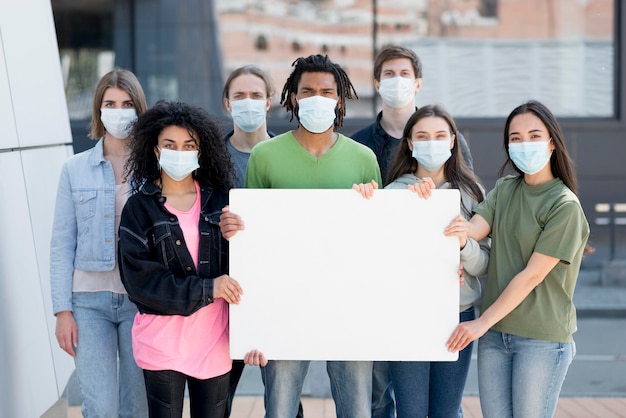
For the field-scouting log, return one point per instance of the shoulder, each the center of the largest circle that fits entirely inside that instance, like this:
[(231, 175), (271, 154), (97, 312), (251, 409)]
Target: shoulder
[(214, 192), (508, 182), (564, 197), (272, 144), (467, 199), (403, 181), (83, 167), (354, 145), (365, 135), (81, 159)]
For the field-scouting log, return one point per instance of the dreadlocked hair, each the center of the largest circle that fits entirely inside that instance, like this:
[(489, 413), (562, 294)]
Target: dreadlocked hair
[(318, 64), (213, 157)]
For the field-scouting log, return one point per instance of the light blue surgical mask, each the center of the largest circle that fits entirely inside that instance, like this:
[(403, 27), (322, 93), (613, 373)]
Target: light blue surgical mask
[(317, 113), (397, 92), (248, 114), (432, 154), (530, 157), (178, 164), (118, 122)]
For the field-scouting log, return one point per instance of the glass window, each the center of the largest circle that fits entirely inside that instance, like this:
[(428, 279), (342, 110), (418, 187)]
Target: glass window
[(480, 58), (84, 35)]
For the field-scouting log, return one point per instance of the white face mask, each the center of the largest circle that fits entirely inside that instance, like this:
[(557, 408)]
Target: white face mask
[(397, 92), (432, 154), (530, 157), (316, 113), (248, 114), (178, 164), (118, 122)]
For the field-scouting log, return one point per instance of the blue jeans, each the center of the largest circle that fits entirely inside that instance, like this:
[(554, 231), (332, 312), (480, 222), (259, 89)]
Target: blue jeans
[(383, 404), (521, 377), (111, 384), (350, 384), (432, 388)]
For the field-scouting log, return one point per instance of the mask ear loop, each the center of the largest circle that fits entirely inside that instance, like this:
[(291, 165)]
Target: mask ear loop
[(158, 161)]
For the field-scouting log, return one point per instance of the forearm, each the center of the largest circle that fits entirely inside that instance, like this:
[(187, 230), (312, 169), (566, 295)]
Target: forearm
[(157, 290), (520, 287), (475, 257), (63, 244)]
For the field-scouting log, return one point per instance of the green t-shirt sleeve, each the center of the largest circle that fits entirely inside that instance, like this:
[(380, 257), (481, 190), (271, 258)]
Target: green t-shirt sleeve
[(564, 231), (376, 173), (487, 208)]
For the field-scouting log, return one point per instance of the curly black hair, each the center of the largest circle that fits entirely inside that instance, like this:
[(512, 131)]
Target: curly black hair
[(318, 64), (215, 169)]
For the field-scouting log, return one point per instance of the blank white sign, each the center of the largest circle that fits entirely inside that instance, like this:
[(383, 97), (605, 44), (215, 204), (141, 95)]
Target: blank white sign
[(329, 275)]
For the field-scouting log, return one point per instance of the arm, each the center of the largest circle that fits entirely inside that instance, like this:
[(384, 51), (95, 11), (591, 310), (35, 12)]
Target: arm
[(63, 245), (66, 332), (62, 253), (474, 254), (522, 284), (478, 228), (153, 286)]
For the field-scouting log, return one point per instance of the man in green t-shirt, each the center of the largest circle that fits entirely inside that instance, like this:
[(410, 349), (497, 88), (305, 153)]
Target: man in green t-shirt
[(313, 156)]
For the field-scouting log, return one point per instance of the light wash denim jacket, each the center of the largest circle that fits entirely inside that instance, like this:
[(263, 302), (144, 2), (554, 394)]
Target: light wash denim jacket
[(83, 232)]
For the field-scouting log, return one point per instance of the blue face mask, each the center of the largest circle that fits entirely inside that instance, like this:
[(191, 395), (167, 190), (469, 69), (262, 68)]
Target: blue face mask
[(316, 113), (248, 114), (178, 164), (530, 157), (432, 154)]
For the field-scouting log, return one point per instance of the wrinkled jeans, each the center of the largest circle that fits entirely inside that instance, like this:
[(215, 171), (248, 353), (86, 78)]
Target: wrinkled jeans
[(432, 388), (383, 398), (521, 377), (111, 384), (350, 384)]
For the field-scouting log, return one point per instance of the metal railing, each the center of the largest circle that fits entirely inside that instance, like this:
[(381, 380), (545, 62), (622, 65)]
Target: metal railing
[(612, 215)]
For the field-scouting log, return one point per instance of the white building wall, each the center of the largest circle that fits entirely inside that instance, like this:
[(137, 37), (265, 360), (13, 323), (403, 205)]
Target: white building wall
[(35, 139)]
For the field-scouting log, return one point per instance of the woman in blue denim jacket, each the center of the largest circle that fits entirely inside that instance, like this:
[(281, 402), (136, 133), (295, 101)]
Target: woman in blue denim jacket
[(174, 262), (93, 313)]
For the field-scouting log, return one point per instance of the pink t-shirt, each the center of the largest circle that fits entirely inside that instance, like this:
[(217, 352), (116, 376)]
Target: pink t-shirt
[(196, 345)]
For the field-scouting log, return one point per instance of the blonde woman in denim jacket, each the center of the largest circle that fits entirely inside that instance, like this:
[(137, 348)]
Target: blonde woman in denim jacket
[(93, 313)]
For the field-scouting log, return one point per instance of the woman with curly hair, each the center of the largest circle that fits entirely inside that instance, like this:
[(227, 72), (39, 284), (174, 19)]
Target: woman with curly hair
[(173, 259)]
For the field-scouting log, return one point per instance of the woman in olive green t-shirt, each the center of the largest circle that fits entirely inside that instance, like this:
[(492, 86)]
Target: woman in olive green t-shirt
[(539, 234)]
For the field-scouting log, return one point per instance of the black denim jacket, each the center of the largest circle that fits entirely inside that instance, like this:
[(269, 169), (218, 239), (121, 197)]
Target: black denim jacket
[(156, 268)]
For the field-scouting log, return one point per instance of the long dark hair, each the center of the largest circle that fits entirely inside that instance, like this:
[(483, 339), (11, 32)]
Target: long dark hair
[(318, 64), (456, 170), (560, 161), (214, 159)]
